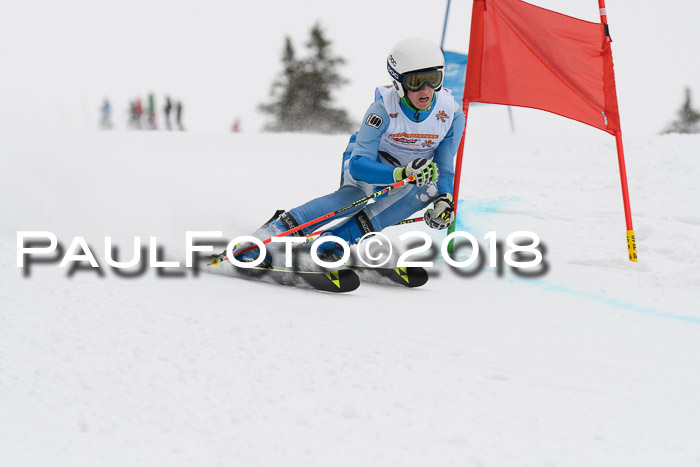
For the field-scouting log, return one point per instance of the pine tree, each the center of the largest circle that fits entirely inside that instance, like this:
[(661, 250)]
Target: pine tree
[(688, 118), (301, 95), (286, 99)]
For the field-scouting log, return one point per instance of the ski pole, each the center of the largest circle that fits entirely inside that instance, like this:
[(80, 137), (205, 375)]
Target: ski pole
[(359, 202), (410, 221), (310, 236)]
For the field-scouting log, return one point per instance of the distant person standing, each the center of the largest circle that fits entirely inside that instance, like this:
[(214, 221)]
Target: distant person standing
[(132, 114), (166, 110), (106, 123), (178, 115), (236, 127), (151, 112), (135, 112)]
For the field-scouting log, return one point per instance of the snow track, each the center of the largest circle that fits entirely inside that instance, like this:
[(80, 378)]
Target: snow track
[(593, 363)]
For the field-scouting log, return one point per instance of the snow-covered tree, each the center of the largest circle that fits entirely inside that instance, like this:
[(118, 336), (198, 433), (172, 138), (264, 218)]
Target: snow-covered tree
[(688, 118), (301, 94)]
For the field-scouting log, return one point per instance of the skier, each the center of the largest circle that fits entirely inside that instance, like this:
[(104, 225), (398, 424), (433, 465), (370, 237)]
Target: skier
[(106, 122), (413, 128), (178, 115), (166, 110), (138, 113), (132, 114), (151, 112)]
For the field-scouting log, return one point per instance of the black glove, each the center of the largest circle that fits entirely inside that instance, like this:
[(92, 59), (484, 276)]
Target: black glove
[(442, 214)]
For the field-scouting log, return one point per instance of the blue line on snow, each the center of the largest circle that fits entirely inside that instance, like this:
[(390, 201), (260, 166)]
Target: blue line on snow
[(467, 209), (618, 303), (472, 208)]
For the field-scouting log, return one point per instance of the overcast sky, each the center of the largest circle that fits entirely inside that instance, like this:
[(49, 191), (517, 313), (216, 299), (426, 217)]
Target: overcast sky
[(220, 57)]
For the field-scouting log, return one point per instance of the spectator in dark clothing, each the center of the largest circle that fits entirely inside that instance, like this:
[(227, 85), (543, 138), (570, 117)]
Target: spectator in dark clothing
[(178, 115), (166, 110)]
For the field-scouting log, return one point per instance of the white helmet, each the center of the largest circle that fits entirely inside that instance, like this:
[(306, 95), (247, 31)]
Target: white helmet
[(415, 62)]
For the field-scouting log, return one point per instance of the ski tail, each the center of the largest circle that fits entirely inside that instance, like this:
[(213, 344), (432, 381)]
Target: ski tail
[(333, 281), (410, 277)]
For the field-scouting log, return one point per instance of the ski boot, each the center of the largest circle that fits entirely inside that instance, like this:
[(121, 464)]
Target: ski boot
[(280, 221), (251, 255), (330, 252), (247, 257)]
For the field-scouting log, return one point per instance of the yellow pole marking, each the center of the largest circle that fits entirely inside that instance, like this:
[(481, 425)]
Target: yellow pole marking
[(631, 246)]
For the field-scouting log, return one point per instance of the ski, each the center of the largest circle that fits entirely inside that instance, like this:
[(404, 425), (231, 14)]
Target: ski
[(335, 281), (410, 277)]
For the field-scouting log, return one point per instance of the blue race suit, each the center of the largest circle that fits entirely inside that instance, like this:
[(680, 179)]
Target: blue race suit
[(367, 168)]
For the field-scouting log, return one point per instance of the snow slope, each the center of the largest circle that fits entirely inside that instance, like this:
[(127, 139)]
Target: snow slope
[(593, 363)]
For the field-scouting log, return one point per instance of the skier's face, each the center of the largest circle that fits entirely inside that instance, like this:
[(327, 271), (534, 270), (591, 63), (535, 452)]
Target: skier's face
[(421, 99)]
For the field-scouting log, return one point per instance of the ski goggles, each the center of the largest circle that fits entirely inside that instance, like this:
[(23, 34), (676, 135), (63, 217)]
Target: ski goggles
[(415, 81)]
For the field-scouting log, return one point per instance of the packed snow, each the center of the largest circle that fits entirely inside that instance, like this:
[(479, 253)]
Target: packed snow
[(595, 362), (591, 362)]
